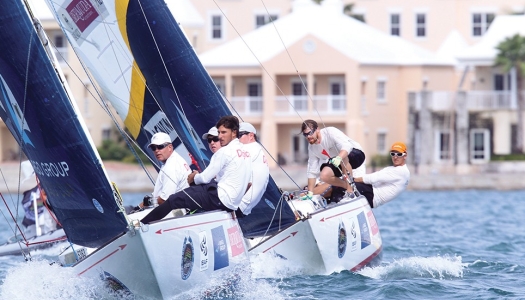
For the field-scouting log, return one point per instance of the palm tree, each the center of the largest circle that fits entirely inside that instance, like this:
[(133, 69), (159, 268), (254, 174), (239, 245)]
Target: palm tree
[(511, 54)]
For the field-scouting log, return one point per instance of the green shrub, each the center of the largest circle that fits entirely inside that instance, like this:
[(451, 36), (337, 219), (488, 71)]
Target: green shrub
[(119, 151), (508, 157)]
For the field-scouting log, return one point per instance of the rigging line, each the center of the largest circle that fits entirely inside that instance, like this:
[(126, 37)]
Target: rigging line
[(163, 62), (15, 232), (258, 61)]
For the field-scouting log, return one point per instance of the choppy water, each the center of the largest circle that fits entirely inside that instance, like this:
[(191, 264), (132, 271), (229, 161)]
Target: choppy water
[(436, 245)]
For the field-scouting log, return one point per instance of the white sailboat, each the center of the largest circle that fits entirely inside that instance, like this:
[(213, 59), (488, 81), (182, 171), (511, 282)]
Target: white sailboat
[(137, 53), (161, 260)]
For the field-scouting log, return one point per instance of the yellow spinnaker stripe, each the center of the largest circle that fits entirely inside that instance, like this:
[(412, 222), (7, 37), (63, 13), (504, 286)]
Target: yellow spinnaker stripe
[(138, 87)]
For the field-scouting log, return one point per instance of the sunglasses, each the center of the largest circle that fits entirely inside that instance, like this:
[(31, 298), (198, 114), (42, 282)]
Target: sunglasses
[(397, 154), (158, 147), (307, 134), (242, 133), (213, 139)]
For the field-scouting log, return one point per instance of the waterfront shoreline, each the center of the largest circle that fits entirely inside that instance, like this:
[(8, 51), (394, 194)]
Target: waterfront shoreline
[(130, 178)]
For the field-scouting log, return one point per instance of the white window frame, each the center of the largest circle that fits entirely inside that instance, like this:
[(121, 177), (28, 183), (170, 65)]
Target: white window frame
[(211, 27), (381, 94), (485, 152), (258, 82), (484, 26), (339, 80), (266, 15), (417, 26), (438, 153), (395, 26), (221, 85), (381, 138), (305, 94)]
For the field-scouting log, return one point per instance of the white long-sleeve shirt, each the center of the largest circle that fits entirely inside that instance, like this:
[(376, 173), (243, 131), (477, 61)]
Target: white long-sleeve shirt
[(172, 178), (231, 167), (387, 183), (332, 142), (260, 177)]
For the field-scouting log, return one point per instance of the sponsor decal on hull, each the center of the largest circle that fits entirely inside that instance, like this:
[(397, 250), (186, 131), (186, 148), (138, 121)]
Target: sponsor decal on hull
[(186, 265), (365, 231), (220, 250), (341, 241), (235, 238), (115, 285), (353, 235), (203, 245)]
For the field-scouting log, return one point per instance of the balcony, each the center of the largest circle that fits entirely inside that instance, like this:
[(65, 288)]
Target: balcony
[(247, 105), (475, 100), (326, 104), (61, 54)]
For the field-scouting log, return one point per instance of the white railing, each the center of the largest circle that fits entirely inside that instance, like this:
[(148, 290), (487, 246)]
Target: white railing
[(332, 104), (247, 105), (475, 100), (61, 54)]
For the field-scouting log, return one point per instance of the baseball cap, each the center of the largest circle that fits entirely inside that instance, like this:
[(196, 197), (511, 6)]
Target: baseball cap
[(244, 126), (160, 138), (399, 147), (213, 131)]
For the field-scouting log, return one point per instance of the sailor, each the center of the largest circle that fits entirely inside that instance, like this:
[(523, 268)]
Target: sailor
[(230, 165), (212, 136), (384, 185), (173, 173), (260, 170), (330, 155)]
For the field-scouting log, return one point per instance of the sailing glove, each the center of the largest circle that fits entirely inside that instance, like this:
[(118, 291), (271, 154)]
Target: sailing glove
[(147, 201), (336, 161), (307, 196)]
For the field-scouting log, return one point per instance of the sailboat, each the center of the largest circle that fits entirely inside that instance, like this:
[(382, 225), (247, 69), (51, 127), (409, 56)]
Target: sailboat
[(139, 46), (161, 260)]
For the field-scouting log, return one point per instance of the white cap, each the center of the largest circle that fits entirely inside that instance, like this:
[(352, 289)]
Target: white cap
[(213, 131), (160, 138), (244, 126)]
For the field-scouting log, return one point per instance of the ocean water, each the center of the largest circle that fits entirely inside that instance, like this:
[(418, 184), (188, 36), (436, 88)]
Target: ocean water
[(436, 245)]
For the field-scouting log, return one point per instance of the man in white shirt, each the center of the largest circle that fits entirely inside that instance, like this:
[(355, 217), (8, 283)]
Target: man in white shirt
[(260, 170), (230, 165), (173, 173), (382, 186), (330, 155)]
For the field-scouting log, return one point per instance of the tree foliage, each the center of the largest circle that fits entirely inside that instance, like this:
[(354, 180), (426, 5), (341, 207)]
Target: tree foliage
[(511, 54)]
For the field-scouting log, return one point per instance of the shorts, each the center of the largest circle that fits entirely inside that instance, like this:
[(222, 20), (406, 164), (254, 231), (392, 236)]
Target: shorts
[(355, 158)]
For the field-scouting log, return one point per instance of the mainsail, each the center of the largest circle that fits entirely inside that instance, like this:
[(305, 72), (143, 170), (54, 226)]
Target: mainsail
[(40, 115), (140, 44)]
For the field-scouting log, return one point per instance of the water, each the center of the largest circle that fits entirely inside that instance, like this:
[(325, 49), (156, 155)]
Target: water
[(436, 245)]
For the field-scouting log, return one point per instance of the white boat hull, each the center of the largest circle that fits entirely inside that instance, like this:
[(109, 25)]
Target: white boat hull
[(166, 258), (34, 243), (343, 236)]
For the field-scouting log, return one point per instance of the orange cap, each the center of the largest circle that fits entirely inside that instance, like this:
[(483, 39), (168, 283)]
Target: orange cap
[(399, 147)]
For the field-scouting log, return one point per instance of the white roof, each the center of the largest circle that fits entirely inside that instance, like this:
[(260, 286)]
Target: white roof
[(453, 44), (40, 9), (185, 13), (485, 51), (351, 37)]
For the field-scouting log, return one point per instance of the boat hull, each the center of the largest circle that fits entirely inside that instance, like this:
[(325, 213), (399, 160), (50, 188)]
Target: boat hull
[(343, 236), (34, 243), (167, 258)]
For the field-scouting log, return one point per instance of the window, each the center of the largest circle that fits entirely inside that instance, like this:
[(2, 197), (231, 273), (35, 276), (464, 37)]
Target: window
[(106, 134), (337, 90), (395, 22), (444, 145), (501, 82), (300, 149), (381, 142), (479, 145), (216, 27), (421, 24), (481, 23), (221, 85), (299, 99), (261, 20), (255, 93), (381, 91)]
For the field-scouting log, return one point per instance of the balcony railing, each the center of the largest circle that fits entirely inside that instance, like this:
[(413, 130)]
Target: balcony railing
[(247, 105), (292, 104), (475, 100), (61, 54)]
